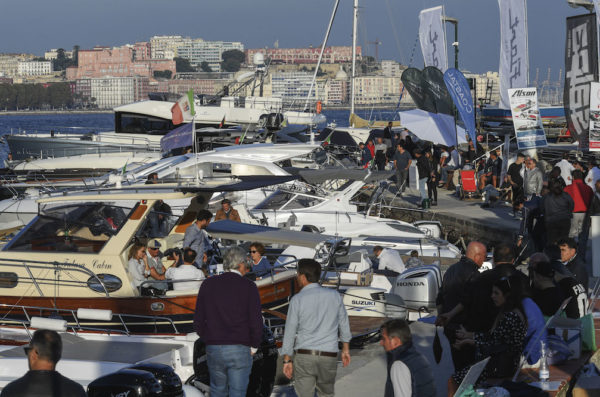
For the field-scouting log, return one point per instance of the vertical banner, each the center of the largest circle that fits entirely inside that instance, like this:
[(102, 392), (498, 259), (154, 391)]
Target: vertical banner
[(597, 10), (581, 68), (526, 118), (594, 117), (432, 36), (459, 90), (514, 57)]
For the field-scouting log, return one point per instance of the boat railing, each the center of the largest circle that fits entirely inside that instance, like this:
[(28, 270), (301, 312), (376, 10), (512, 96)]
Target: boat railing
[(75, 320), (58, 267)]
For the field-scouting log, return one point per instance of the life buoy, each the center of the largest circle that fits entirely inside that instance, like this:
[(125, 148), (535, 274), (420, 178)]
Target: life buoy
[(319, 107)]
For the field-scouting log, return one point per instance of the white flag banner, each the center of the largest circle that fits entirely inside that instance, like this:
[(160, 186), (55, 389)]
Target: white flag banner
[(432, 36), (594, 116), (514, 57)]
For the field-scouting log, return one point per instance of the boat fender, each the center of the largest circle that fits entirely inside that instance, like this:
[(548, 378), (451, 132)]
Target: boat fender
[(52, 324), (94, 314)]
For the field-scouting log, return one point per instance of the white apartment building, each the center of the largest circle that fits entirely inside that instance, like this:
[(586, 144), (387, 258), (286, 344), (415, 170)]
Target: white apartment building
[(165, 47), (487, 86), (34, 68), (112, 91), (376, 89), (53, 54), (391, 68), (9, 63), (294, 86), (198, 51)]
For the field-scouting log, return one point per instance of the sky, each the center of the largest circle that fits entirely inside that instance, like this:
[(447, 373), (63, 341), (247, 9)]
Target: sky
[(34, 26)]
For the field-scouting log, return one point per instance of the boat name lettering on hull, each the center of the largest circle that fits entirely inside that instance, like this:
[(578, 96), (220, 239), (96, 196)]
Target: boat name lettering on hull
[(96, 264), (363, 303), (124, 394)]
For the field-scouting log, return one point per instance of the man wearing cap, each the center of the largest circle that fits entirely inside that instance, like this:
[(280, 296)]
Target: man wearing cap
[(42, 379), (157, 269), (315, 318), (227, 212), (196, 237)]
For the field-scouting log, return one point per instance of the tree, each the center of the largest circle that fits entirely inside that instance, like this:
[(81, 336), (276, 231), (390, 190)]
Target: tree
[(183, 65), (166, 74), (232, 60), (62, 62), (205, 67), (76, 55)]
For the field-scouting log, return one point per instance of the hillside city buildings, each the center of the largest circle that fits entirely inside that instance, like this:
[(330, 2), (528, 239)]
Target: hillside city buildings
[(106, 77)]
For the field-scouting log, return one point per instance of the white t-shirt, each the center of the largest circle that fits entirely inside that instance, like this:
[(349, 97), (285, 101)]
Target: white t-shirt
[(401, 379), (185, 272), (390, 259), (592, 176), (565, 170)]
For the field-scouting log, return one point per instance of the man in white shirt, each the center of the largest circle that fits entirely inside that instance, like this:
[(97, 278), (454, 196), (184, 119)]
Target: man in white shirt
[(389, 259), (186, 271), (565, 168), (593, 175)]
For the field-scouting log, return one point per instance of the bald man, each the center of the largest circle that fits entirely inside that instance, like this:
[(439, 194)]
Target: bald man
[(455, 283)]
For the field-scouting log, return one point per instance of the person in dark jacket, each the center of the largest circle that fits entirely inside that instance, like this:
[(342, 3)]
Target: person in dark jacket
[(574, 263), (480, 309), (557, 207), (228, 318), (408, 372), (42, 379), (424, 170), (365, 155), (456, 282), (432, 179)]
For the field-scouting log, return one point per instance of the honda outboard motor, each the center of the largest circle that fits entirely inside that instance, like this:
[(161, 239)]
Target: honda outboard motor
[(126, 382), (419, 286)]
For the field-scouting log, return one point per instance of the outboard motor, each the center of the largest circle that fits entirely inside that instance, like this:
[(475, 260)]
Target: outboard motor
[(166, 376), (126, 382), (419, 286), (274, 121)]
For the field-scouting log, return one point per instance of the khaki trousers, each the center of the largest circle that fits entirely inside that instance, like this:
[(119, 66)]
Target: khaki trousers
[(314, 372)]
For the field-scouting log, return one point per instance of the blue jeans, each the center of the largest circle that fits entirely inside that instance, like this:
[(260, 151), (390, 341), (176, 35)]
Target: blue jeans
[(229, 367)]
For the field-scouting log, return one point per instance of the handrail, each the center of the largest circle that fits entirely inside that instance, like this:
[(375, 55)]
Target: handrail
[(77, 326), (57, 266)]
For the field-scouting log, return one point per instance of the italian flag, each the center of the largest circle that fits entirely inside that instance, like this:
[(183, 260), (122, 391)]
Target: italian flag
[(183, 108)]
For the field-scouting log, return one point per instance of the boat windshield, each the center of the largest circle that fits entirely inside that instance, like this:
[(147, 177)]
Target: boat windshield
[(73, 228), (283, 200)]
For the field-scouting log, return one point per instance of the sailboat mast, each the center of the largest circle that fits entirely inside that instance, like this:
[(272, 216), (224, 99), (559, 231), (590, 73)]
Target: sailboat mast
[(354, 34)]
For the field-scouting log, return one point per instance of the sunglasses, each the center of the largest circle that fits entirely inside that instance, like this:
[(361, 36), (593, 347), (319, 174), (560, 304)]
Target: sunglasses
[(151, 248), (253, 252), (27, 349)]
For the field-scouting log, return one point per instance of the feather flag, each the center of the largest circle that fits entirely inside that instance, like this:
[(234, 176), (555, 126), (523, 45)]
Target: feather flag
[(183, 108), (222, 123)]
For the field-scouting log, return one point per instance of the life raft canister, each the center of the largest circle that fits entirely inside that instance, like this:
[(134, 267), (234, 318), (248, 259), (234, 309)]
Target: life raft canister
[(319, 107)]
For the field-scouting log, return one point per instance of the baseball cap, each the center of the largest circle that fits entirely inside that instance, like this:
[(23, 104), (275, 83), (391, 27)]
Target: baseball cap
[(154, 244)]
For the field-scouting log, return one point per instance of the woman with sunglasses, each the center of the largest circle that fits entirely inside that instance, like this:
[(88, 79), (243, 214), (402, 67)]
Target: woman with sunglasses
[(260, 264), (138, 264), (505, 341)]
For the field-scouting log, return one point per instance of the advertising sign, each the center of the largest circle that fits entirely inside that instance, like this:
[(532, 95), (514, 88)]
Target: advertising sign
[(432, 36), (526, 118), (595, 116)]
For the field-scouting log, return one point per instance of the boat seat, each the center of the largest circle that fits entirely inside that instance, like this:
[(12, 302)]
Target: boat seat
[(182, 292)]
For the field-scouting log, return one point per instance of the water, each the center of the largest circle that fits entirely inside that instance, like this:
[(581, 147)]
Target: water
[(96, 122)]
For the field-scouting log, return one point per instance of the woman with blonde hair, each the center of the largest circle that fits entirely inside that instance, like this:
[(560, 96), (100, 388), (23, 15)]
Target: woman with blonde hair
[(138, 264)]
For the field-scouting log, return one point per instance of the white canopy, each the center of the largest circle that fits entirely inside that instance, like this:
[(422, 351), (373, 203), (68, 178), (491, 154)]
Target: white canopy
[(434, 127)]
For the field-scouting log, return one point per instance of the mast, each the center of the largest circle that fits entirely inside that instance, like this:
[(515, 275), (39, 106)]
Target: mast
[(354, 34)]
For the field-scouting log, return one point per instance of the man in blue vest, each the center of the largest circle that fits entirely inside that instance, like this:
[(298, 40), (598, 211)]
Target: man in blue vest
[(409, 373)]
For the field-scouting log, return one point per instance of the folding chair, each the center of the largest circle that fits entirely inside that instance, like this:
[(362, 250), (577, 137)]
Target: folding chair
[(468, 184)]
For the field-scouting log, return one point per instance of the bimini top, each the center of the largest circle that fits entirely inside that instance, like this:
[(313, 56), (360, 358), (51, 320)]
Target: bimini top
[(264, 234)]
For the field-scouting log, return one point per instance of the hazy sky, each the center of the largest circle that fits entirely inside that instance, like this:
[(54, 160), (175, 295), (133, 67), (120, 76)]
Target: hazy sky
[(37, 25)]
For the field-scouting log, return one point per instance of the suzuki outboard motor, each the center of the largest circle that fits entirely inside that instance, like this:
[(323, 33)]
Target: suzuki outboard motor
[(419, 286), (166, 376)]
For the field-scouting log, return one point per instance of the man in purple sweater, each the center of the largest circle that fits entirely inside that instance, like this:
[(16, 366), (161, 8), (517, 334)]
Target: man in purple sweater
[(228, 319)]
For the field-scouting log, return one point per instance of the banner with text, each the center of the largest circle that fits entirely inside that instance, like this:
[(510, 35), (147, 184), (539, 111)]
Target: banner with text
[(594, 116), (526, 118), (461, 95), (581, 68), (514, 57), (432, 36)]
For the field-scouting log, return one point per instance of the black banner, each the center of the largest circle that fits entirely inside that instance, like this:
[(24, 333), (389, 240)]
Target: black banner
[(436, 88), (414, 82), (581, 68), (428, 90)]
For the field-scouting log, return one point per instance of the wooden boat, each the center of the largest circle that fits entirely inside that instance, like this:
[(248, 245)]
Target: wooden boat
[(74, 254)]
